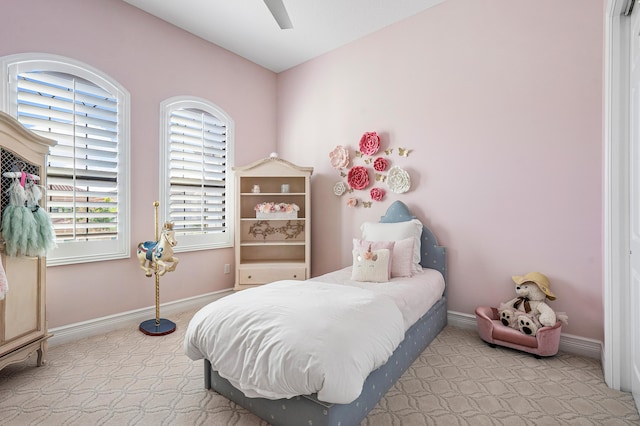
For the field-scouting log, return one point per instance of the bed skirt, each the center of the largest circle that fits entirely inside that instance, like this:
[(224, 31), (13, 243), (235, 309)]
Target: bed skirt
[(308, 410)]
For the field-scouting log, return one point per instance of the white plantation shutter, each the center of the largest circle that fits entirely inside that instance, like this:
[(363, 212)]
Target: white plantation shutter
[(197, 190), (82, 170), (86, 186)]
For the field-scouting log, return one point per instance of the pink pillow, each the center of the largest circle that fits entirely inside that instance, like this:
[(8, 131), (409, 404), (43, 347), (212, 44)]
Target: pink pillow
[(402, 262), (362, 246)]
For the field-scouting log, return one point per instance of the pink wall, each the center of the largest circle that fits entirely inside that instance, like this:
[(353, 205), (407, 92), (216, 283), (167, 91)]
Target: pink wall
[(153, 61), (501, 107)]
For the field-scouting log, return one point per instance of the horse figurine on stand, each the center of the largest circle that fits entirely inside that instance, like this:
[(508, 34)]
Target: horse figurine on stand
[(152, 254), (157, 256)]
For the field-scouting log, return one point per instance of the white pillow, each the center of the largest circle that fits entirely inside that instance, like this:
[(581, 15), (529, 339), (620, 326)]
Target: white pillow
[(401, 262), (364, 245), (373, 268), (375, 231)]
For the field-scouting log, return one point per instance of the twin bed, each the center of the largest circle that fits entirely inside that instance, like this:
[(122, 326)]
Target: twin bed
[(325, 351)]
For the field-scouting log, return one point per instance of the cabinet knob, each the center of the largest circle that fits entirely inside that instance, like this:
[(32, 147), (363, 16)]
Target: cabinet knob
[(249, 277), (295, 276)]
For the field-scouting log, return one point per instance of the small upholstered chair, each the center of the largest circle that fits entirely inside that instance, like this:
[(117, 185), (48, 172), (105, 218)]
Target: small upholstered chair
[(491, 330)]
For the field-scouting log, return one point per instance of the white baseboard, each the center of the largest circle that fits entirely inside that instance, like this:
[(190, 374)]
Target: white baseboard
[(80, 330), (69, 333), (568, 342)]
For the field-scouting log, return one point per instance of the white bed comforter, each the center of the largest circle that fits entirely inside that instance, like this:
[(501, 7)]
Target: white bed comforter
[(290, 338), (413, 295)]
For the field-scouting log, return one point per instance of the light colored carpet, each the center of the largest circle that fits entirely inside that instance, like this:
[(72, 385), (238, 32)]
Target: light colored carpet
[(128, 378)]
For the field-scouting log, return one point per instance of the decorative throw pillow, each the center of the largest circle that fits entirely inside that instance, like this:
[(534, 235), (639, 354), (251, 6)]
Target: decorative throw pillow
[(370, 265), (362, 245), (401, 261), (402, 258), (373, 231)]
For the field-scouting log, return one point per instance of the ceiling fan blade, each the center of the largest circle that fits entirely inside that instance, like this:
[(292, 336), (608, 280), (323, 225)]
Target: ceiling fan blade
[(279, 12)]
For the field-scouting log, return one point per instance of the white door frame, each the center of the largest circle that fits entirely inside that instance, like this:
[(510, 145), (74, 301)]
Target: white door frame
[(617, 335)]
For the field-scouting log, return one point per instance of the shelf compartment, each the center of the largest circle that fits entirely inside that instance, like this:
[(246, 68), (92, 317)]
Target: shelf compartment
[(248, 203), (275, 253), (273, 184), (263, 231)]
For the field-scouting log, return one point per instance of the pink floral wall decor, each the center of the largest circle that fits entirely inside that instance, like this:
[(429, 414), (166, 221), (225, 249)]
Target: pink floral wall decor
[(358, 177), (377, 194), (370, 156), (380, 164), (339, 157), (369, 143)]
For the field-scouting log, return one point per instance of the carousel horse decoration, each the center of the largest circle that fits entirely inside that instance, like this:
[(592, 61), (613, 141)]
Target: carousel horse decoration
[(159, 254)]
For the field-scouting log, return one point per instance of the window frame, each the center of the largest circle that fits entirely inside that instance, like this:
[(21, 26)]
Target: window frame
[(74, 252), (201, 241)]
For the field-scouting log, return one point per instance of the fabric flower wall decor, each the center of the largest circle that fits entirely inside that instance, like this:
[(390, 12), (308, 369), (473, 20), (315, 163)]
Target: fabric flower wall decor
[(369, 143), (370, 156), (358, 177), (380, 164), (339, 157), (339, 188), (398, 180), (377, 194)]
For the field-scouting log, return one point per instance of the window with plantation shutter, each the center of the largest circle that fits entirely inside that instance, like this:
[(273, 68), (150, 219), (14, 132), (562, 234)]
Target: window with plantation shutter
[(196, 172), (87, 171)]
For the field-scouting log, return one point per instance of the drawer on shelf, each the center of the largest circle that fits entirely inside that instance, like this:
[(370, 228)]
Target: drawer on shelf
[(270, 274)]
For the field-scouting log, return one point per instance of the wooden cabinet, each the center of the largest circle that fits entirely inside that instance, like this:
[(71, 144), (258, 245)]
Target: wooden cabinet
[(276, 245), (23, 323)]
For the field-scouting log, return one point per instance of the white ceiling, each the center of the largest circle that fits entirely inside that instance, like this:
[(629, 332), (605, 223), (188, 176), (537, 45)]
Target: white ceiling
[(247, 28)]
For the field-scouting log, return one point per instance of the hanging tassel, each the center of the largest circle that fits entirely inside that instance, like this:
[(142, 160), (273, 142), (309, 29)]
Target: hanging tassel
[(18, 223), (43, 238)]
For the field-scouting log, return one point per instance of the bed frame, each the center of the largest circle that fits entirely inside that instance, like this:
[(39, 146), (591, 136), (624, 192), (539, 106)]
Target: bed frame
[(307, 409)]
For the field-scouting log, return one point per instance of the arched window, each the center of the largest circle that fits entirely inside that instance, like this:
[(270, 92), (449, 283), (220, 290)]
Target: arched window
[(87, 113), (195, 167)]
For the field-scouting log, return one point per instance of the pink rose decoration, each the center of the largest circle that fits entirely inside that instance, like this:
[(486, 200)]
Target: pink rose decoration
[(380, 164), (352, 202), (358, 177), (339, 157), (377, 194), (369, 143)]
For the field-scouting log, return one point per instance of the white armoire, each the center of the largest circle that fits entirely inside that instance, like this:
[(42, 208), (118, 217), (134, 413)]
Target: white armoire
[(23, 321)]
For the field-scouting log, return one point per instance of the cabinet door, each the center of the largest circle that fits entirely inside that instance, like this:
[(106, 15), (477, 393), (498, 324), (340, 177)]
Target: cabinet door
[(21, 319)]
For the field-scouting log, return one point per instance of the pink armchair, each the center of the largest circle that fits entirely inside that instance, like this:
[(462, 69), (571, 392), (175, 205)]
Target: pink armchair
[(491, 330)]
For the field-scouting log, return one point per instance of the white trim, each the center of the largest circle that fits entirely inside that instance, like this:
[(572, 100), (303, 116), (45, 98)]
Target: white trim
[(72, 332), (82, 252), (616, 352), (568, 343), (80, 330)]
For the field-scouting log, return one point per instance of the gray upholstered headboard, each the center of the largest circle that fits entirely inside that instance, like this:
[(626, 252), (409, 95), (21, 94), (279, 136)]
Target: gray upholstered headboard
[(432, 255)]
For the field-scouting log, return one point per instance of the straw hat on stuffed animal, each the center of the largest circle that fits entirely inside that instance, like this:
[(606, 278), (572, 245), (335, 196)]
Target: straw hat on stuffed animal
[(537, 278)]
